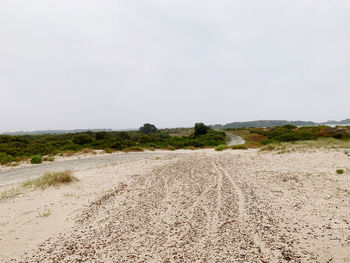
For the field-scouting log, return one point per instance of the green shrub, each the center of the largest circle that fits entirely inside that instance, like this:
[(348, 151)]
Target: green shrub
[(108, 150), (82, 139), (101, 135), (6, 158), (340, 171), (221, 147), (267, 141), (170, 148), (36, 159)]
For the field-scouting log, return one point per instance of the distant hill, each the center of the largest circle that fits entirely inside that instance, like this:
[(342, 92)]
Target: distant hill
[(54, 131), (273, 123)]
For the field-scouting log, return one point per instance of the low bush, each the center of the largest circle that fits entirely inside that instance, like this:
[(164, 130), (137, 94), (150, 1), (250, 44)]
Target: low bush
[(170, 148), (340, 171), (267, 141), (108, 150), (36, 159), (82, 139), (221, 147), (6, 158)]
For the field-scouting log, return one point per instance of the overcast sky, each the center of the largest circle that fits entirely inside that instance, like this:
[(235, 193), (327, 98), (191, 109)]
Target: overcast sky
[(117, 63)]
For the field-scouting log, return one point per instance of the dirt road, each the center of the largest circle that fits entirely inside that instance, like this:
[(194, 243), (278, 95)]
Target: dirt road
[(232, 206)]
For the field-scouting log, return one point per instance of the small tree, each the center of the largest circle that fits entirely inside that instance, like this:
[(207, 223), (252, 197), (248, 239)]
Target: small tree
[(148, 128), (200, 128)]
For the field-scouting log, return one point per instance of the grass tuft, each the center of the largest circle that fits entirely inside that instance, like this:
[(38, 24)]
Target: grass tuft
[(50, 179)]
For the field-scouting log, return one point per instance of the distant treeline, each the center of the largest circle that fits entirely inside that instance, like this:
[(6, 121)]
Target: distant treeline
[(275, 123), (14, 148), (54, 131), (289, 133)]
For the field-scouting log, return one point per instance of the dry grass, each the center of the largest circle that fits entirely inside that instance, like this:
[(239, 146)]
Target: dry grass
[(49, 158), (50, 179), (68, 153), (134, 149), (239, 147), (10, 192), (46, 213), (87, 151)]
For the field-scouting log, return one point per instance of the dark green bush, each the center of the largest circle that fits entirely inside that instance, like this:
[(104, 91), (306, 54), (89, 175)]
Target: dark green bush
[(267, 141), (101, 135), (82, 139), (6, 158), (36, 159)]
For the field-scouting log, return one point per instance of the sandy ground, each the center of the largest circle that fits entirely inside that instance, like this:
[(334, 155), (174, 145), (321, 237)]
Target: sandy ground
[(201, 206)]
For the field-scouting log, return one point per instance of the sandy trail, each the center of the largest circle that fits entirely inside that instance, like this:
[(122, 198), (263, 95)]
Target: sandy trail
[(206, 206)]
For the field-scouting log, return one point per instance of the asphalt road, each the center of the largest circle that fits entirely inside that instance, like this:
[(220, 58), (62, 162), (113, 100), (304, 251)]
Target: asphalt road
[(17, 175)]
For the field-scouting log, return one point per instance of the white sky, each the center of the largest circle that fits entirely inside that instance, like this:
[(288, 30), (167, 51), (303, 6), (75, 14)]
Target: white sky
[(121, 63)]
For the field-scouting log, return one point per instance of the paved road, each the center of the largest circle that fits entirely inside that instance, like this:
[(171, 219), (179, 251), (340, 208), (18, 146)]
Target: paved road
[(21, 174)]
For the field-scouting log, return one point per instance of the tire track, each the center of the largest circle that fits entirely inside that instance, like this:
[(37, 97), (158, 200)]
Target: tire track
[(244, 219)]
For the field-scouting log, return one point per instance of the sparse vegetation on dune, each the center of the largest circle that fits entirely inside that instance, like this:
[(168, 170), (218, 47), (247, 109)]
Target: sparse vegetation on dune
[(42, 182), (50, 179)]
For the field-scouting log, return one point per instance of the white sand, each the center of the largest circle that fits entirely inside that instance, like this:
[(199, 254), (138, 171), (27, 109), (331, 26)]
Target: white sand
[(201, 206)]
